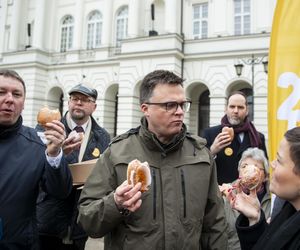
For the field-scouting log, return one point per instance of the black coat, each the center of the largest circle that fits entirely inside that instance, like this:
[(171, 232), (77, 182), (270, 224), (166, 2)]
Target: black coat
[(282, 233), (55, 215), (227, 165), (23, 169)]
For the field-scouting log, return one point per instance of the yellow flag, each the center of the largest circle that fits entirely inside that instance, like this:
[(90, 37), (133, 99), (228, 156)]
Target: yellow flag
[(284, 73)]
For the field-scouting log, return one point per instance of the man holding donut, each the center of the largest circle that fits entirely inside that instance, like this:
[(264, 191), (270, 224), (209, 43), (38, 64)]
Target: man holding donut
[(228, 150), (27, 165), (57, 224), (182, 208)]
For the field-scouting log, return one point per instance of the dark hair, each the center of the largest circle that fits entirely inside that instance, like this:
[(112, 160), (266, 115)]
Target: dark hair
[(154, 78), (293, 138), (12, 74), (237, 93)]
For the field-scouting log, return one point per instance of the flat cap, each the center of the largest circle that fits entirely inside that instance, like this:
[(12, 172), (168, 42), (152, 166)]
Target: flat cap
[(80, 88)]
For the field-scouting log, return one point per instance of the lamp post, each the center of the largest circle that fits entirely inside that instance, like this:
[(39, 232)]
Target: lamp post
[(251, 61)]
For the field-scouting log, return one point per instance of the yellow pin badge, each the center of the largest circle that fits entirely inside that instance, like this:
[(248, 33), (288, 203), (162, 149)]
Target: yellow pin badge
[(228, 151), (96, 152)]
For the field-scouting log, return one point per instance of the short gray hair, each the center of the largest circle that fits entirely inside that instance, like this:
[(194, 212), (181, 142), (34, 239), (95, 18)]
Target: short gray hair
[(256, 154)]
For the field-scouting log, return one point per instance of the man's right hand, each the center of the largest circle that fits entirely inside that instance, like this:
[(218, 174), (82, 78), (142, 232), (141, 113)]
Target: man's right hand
[(128, 197), (222, 140), (71, 143)]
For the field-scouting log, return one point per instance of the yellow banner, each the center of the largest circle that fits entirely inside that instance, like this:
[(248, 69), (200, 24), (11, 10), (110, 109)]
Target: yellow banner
[(284, 73)]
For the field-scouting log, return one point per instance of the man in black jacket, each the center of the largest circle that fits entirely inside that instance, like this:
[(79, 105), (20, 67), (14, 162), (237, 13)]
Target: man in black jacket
[(228, 153), (26, 165), (57, 217)]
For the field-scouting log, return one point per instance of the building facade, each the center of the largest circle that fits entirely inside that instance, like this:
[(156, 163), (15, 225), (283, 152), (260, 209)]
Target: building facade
[(112, 44)]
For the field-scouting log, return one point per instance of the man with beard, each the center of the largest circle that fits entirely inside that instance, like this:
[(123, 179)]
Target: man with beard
[(228, 153), (57, 217)]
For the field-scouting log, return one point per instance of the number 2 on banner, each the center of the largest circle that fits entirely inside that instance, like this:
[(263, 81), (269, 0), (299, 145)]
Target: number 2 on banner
[(285, 111)]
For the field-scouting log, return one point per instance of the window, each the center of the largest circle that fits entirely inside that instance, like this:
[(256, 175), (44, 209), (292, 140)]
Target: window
[(200, 20), (121, 25), (67, 30), (94, 30), (241, 17)]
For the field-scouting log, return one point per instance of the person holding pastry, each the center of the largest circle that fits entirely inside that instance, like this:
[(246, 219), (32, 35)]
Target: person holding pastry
[(227, 148), (155, 186), (283, 232), (253, 171), (86, 140), (27, 166)]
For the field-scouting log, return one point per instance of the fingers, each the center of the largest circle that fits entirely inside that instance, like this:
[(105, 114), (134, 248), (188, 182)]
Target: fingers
[(128, 197), (253, 193), (70, 147), (55, 134), (222, 140)]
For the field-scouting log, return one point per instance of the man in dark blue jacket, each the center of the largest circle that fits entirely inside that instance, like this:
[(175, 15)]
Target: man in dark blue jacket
[(57, 224), (26, 165)]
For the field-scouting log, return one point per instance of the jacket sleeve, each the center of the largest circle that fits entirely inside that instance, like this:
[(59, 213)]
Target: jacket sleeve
[(248, 235), (98, 213), (214, 231), (57, 181)]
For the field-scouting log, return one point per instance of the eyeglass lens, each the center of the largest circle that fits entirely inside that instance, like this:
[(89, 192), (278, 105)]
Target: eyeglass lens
[(173, 106)]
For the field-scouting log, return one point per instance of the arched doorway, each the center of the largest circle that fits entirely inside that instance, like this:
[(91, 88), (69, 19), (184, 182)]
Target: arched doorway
[(203, 111), (111, 109)]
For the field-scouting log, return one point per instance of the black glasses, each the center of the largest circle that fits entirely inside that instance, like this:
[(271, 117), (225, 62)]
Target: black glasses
[(173, 106), (75, 99)]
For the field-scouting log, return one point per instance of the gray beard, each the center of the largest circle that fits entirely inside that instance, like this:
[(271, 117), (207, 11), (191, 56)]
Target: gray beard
[(234, 121)]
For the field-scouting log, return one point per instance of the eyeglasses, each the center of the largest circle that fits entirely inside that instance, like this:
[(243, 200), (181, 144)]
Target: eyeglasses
[(75, 99), (173, 106)]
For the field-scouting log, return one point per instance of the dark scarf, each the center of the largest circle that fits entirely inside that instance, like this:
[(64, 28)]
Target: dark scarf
[(151, 137), (7, 131), (245, 127)]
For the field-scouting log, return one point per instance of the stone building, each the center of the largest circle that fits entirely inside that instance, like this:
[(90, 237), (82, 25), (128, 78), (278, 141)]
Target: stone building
[(112, 44)]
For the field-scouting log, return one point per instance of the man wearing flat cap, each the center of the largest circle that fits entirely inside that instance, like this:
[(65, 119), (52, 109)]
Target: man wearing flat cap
[(57, 218)]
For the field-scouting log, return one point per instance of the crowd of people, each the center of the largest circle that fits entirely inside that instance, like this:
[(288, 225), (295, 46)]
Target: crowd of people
[(195, 201)]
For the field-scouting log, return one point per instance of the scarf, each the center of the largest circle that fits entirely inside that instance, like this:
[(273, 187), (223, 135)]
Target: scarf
[(246, 127), (7, 131)]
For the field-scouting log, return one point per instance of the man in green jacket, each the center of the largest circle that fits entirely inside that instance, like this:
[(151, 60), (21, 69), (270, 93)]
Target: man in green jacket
[(183, 208)]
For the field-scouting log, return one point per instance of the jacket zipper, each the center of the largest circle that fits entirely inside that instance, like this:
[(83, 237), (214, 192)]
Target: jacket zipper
[(154, 193), (183, 192)]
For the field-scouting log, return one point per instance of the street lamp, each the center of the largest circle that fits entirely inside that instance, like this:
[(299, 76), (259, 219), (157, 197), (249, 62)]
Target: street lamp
[(251, 61)]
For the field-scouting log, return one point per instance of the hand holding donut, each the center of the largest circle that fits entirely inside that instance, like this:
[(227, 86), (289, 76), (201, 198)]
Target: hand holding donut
[(54, 130), (222, 140)]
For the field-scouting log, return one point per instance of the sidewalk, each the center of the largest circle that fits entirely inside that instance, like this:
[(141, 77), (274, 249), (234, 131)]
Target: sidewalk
[(94, 244)]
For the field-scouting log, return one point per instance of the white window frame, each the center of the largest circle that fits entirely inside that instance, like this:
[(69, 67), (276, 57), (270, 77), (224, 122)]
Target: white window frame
[(200, 20), (94, 30), (242, 17), (67, 33), (121, 25)]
